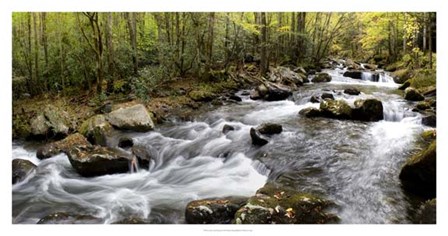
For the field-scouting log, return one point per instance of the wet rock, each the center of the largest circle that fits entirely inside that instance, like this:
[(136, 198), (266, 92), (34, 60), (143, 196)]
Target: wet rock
[(327, 96), (430, 91), (315, 99), (58, 147), (322, 77), (201, 96), (401, 76), (257, 138), (352, 91), (68, 218), (429, 120), (96, 129), (274, 205), (418, 175), (52, 122), (144, 155), (269, 128), (423, 106), (427, 213), (131, 221), (411, 94), (135, 118), (245, 93), (227, 128), (271, 92), (213, 211), (368, 110), (353, 74), (90, 161), (370, 66), (236, 98), (310, 112), (337, 109), (284, 75), (405, 85), (20, 169), (125, 142)]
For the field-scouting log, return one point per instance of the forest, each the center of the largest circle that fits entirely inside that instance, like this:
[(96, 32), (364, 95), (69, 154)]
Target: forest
[(224, 117)]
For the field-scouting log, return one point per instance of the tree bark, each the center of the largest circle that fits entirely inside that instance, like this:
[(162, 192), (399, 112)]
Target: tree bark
[(264, 64)]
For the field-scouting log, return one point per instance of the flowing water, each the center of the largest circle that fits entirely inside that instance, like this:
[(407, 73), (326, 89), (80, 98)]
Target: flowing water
[(355, 164)]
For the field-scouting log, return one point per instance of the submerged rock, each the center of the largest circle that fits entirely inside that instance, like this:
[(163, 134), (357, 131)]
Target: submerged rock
[(269, 128), (327, 96), (20, 169), (352, 91), (427, 213), (368, 110), (310, 112), (411, 94), (338, 109), (321, 77), (135, 118), (213, 211), (96, 129), (418, 175), (58, 147), (68, 218), (227, 128), (256, 138), (314, 99), (274, 205), (430, 120), (90, 161)]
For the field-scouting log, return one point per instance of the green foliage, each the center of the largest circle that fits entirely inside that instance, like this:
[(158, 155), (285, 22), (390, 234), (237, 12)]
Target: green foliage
[(423, 78)]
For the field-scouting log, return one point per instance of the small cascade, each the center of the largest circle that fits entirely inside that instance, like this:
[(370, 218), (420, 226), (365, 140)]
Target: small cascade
[(394, 111), (385, 78)]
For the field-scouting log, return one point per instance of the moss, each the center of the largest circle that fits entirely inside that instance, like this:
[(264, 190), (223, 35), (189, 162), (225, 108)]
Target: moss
[(429, 135), (423, 79), (428, 153)]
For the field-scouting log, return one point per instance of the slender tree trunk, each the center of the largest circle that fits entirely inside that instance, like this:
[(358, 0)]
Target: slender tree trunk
[(264, 60), (110, 54), (36, 51), (29, 53), (132, 25)]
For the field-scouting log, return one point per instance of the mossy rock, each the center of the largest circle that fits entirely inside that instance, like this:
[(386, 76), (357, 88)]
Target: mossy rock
[(423, 105), (400, 76), (21, 169), (275, 205), (322, 77), (96, 129), (411, 94), (338, 109), (201, 96), (69, 218), (368, 110), (58, 147), (429, 135), (424, 78), (310, 112), (427, 213), (213, 211)]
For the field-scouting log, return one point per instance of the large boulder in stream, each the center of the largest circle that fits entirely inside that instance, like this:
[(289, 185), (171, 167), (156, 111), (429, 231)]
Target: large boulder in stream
[(269, 128), (52, 122), (96, 129), (411, 94), (368, 110), (256, 137), (213, 211), (418, 175), (270, 92), (405, 85), (135, 118), (284, 75), (274, 205), (21, 169), (90, 161), (57, 147), (338, 109), (354, 74), (322, 77), (69, 218)]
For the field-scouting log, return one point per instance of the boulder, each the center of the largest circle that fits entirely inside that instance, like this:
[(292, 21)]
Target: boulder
[(275, 205), (418, 175), (401, 76), (351, 65), (352, 91), (315, 99), (90, 161), (370, 66), (310, 112), (57, 147), (52, 122), (423, 106), (321, 77), (20, 169), (39, 126), (131, 221), (270, 92), (227, 128), (430, 120), (201, 95), (68, 218), (411, 94), (327, 96), (284, 75), (144, 155), (235, 98), (354, 74), (96, 129), (368, 110), (125, 142), (213, 211), (338, 109), (405, 85), (135, 118), (427, 213), (269, 128), (257, 138)]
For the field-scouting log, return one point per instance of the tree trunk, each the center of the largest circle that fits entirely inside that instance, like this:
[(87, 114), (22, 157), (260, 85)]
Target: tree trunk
[(132, 25), (36, 52), (110, 54), (264, 64)]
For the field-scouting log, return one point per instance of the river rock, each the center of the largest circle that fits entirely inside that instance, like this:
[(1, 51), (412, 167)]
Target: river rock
[(354, 74), (201, 95), (310, 112), (327, 96), (322, 77), (125, 142), (269, 128), (274, 205), (20, 169), (338, 109), (90, 161), (370, 66), (135, 118), (368, 110), (314, 99), (270, 92), (96, 129), (68, 218), (405, 85), (227, 128), (430, 120), (422, 106), (427, 213), (52, 122), (352, 91), (418, 175), (39, 126), (412, 94), (257, 138), (144, 154), (131, 221), (213, 211), (57, 147), (284, 75), (235, 98)]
